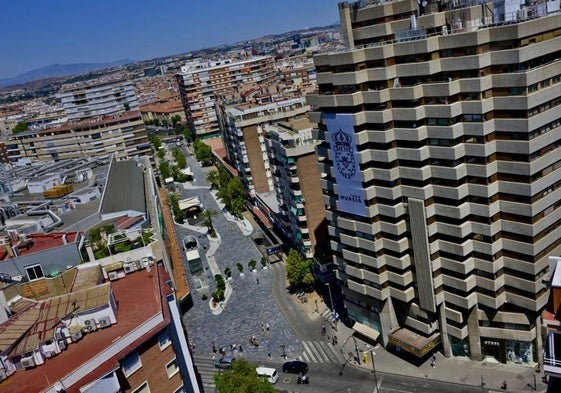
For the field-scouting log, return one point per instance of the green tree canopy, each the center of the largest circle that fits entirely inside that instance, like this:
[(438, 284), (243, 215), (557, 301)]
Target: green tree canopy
[(165, 170), (233, 196), (203, 152), (242, 379), (175, 119), (156, 143), (186, 133), (21, 126), (179, 158), (213, 178), (207, 215), (298, 270)]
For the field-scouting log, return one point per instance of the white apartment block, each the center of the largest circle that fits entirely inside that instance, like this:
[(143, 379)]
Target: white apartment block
[(102, 98), (202, 83)]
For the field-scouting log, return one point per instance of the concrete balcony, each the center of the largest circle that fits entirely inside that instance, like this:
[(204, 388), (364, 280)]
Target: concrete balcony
[(405, 296), (460, 301), (465, 285)]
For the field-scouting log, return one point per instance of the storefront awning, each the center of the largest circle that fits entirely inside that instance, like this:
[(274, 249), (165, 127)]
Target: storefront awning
[(414, 343), (366, 331)]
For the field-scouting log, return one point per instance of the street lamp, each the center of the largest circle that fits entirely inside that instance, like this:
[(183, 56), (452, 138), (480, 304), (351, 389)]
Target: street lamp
[(372, 354), (330, 297)]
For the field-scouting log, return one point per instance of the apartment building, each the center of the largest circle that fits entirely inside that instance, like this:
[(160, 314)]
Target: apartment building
[(440, 148), (244, 127), (123, 135), (301, 218), (99, 98), (201, 83)]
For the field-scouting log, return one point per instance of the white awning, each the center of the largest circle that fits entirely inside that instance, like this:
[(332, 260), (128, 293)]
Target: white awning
[(188, 203), (366, 331)]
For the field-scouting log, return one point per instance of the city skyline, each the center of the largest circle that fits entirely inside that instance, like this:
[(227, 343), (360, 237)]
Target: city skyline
[(105, 31)]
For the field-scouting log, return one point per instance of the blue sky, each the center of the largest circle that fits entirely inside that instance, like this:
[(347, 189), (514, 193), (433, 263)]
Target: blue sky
[(36, 33)]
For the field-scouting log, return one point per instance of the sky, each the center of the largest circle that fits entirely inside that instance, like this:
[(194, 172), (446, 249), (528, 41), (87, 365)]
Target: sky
[(37, 33)]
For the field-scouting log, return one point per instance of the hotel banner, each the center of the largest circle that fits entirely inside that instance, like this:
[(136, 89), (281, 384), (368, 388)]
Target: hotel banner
[(345, 161)]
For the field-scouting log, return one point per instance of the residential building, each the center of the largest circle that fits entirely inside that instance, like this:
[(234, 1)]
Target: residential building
[(163, 111), (440, 149), (76, 339), (296, 179), (552, 319), (100, 98), (201, 83), (123, 135), (244, 127)]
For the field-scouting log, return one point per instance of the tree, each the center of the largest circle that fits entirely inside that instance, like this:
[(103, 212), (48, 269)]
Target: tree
[(165, 170), (203, 152), (187, 133), (213, 178), (156, 143), (179, 158), (21, 126), (298, 270), (165, 123), (242, 379), (207, 215), (233, 196), (175, 119)]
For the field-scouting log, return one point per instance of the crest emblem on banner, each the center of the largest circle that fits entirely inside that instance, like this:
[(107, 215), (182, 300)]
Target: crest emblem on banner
[(344, 154)]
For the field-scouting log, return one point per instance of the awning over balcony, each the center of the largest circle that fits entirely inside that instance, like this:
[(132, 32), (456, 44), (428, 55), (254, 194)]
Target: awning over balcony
[(414, 343), (366, 331)]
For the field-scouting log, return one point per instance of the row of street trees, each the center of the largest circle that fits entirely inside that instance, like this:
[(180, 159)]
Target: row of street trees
[(242, 379)]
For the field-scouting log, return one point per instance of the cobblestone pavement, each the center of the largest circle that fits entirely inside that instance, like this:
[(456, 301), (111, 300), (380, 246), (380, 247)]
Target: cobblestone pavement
[(251, 303)]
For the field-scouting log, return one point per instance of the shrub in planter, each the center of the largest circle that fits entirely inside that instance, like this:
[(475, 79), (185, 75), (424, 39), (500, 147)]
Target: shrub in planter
[(205, 297), (263, 262), (215, 297), (221, 295), (228, 272), (252, 264), (220, 283), (240, 267)]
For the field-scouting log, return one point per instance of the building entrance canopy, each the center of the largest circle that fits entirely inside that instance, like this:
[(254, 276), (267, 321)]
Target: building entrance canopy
[(413, 342), (366, 331)]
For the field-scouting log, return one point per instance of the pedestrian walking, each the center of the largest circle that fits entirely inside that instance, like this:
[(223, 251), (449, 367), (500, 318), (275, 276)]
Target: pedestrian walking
[(257, 280), (213, 348), (267, 327), (323, 331), (241, 349), (504, 386), (263, 328)]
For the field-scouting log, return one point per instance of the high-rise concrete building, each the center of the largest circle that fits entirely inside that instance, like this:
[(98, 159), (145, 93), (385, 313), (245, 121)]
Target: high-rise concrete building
[(244, 128), (201, 83), (291, 150), (440, 129), (101, 98)]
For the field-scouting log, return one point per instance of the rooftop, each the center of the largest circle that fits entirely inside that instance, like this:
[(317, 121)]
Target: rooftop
[(36, 242), (99, 352), (124, 190)]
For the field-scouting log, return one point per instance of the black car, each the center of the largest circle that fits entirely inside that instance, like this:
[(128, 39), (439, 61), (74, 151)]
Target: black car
[(295, 367)]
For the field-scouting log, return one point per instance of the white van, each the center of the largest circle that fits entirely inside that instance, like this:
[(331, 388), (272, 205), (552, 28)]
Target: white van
[(268, 373)]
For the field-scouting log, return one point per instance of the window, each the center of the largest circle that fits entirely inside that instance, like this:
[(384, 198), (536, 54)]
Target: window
[(164, 341), (131, 364), (172, 368), (34, 272), (144, 388)]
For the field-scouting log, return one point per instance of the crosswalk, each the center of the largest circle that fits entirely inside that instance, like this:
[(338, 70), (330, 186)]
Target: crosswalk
[(321, 352), (206, 370)]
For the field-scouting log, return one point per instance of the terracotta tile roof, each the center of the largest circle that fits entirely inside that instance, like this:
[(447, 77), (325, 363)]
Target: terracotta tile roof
[(140, 297), (39, 242), (163, 107)]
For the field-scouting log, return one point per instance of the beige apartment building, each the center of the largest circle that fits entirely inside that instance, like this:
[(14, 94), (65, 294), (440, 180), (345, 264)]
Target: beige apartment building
[(301, 214), (122, 135), (202, 83), (244, 128), (440, 149)]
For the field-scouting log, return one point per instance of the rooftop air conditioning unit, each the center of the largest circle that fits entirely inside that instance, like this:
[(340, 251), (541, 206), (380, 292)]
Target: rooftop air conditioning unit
[(104, 322), (113, 276), (76, 337), (129, 267), (27, 362), (89, 326), (62, 345)]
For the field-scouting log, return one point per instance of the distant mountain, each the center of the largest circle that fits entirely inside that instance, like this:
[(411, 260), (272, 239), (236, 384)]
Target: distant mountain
[(60, 70)]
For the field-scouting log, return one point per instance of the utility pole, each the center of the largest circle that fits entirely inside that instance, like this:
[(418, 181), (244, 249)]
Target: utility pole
[(372, 354)]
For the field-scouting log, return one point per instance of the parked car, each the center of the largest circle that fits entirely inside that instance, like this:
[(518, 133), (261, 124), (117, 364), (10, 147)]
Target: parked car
[(224, 362), (295, 367)]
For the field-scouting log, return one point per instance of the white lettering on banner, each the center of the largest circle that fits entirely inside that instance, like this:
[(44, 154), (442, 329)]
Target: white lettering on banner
[(345, 159)]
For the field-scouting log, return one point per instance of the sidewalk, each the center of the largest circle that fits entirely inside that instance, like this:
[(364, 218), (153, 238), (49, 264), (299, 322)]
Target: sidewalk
[(454, 370)]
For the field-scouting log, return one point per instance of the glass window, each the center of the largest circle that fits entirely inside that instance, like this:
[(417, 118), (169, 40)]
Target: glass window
[(164, 341), (144, 388), (131, 364), (172, 368), (34, 272)]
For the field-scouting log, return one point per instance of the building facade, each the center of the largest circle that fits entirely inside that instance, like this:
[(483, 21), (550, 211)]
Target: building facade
[(201, 83), (123, 135), (244, 128), (440, 148), (101, 98), (291, 150)]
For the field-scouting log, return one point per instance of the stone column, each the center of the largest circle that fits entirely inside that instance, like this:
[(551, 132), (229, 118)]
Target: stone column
[(346, 26), (446, 347), (538, 342), (473, 335), (388, 320)]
